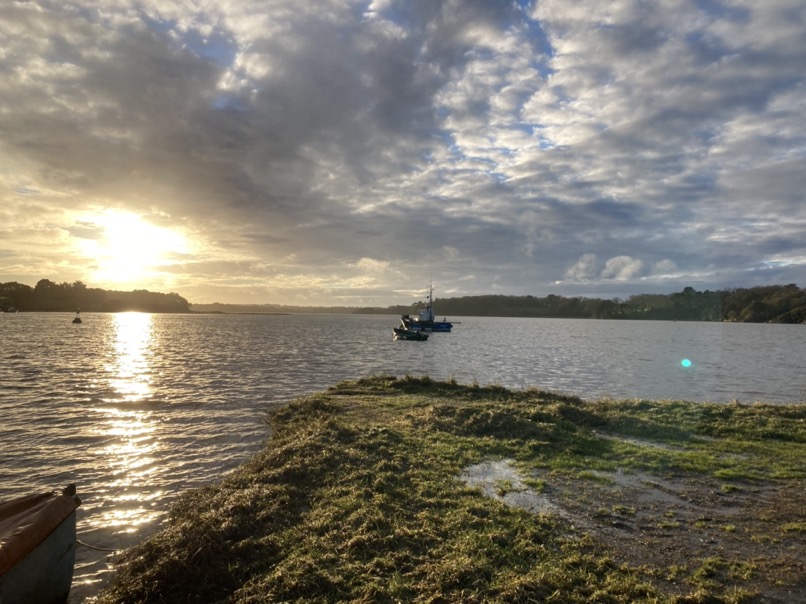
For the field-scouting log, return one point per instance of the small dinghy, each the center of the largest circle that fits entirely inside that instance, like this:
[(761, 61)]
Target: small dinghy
[(38, 547), (402, 333)]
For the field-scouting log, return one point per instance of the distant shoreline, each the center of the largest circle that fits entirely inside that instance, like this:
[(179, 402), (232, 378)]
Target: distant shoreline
[(762, 304), (325, 311)]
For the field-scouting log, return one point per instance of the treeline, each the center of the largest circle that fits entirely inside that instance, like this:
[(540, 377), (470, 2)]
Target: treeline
[(769, 304), (766, 304), (50, 296)]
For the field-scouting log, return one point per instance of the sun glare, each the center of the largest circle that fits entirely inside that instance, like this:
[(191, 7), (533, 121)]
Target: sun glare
[(130, 248)]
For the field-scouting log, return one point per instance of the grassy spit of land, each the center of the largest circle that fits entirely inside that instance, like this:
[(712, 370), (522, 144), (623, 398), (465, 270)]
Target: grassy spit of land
[(412, 490)]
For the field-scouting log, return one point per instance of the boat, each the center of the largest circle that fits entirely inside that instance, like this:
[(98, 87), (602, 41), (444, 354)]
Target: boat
[(402, 333), (76, 320), (424, 321), (38, 547)]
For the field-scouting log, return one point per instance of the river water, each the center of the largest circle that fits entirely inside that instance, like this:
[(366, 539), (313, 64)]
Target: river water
[(136, 408)]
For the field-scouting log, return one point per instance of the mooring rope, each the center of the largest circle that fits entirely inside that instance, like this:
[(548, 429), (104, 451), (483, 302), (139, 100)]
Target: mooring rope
[(100, 549)]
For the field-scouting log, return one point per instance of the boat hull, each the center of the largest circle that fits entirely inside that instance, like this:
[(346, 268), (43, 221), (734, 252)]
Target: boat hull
[(401, 333), (433, 326), (38, 549), (28, 581)]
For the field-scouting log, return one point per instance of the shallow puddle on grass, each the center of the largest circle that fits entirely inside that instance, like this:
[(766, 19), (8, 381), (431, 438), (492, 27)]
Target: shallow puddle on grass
[(671, 522), (500, 480)]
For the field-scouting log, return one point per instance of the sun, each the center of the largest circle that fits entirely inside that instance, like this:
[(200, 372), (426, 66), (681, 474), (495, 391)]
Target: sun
[(127, 248)]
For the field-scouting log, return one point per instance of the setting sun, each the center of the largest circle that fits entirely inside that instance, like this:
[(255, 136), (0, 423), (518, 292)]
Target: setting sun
[(128, 248)]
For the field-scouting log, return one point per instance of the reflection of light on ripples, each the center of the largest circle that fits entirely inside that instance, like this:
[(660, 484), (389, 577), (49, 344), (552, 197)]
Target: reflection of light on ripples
[(130, 432), (130, 370), (127, 519), (131, 447)]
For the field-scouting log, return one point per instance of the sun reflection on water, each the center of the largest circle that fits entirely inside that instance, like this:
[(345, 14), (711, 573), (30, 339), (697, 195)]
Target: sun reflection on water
[(130, 370), (129, 427)]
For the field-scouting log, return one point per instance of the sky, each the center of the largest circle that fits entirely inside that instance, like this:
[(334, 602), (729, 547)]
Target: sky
[(350, 153)]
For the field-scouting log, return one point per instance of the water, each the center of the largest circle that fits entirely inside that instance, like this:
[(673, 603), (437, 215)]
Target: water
[(136, 408)]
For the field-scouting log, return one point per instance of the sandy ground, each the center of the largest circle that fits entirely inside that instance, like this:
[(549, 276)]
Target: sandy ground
[(750, 536)]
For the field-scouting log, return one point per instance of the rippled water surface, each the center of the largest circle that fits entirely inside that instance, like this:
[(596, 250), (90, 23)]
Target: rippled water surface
[(135, 408)]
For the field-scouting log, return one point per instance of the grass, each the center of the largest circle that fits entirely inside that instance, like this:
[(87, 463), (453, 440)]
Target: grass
[(357, 498)]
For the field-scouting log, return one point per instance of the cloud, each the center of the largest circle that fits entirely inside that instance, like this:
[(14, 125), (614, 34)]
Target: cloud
[(622, 268), (501, 146), (619, 268), (584, 269), (372, 266)]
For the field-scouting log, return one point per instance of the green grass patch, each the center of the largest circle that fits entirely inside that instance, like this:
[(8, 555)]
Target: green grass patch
[(357, 498)]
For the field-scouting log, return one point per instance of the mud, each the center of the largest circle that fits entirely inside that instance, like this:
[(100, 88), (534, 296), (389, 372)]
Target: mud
[(680, 532)]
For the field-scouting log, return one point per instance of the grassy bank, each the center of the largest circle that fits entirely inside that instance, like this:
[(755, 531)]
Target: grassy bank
[(410, 490)]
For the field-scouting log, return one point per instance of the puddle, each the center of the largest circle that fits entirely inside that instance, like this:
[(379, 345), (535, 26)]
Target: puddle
[(500, 480), (671, 521)]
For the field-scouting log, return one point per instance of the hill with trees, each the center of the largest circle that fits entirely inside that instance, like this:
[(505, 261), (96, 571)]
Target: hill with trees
[(50, 296), (770, 304), (765, 304)]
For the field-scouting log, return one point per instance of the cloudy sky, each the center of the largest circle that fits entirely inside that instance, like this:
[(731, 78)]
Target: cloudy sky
[(350, 152)]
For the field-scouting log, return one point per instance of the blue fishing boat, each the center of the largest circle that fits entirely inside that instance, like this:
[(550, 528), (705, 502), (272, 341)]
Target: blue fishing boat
[(38, 547), (424, 321)]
